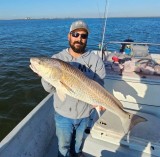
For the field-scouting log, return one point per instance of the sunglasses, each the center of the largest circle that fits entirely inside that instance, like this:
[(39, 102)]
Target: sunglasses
[(76, 35)]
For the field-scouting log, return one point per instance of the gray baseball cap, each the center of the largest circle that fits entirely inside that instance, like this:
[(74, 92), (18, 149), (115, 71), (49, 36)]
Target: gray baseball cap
[(79, 24)]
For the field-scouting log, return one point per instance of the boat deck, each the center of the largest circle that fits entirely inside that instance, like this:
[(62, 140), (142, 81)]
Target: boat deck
[(97, 148)]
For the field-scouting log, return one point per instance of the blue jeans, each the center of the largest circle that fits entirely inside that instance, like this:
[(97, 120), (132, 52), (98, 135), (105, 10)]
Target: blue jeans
[(64, 131)]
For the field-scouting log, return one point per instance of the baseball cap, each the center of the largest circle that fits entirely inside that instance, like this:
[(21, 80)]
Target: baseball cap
[(79, 24)]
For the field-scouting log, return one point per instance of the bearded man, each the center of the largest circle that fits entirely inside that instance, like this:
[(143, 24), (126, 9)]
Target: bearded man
[(72, 115)]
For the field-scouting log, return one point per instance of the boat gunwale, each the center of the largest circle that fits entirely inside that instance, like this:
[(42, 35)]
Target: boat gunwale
[(12, 135)]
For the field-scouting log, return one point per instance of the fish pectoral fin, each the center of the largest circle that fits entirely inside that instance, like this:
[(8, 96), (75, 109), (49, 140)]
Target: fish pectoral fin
[(61, 90), (65, 86), (61, 95)]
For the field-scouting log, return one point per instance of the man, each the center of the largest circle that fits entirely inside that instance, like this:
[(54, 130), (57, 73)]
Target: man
[(73, 114)]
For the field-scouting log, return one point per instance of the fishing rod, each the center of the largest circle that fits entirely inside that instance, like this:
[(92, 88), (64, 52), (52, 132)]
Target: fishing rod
[(105, 23)]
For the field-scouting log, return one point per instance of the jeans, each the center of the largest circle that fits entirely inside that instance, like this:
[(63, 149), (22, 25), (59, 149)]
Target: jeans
[(64, 131)]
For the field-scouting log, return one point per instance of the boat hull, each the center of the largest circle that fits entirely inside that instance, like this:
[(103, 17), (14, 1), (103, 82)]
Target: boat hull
[(31, 137)]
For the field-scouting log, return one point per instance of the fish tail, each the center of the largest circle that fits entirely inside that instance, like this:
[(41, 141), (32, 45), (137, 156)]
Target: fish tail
[(131, 121)]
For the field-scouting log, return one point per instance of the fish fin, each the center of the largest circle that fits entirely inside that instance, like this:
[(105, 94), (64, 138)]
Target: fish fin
[(61, 95), (131, 121), (68, 88)]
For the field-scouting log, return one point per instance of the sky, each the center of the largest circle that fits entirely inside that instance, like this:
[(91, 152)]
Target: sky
[(20, 9)]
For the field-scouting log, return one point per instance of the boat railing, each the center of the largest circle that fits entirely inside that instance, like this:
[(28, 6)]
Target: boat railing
[(137, 43), (132, 49), (119, 46)]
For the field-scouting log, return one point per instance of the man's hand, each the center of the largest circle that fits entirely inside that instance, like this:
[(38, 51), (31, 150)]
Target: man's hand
[(100, 108)]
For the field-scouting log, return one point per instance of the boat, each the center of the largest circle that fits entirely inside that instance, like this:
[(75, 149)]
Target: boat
[(138, 91)]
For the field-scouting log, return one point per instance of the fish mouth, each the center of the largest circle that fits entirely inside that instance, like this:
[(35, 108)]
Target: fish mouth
[(32, 65), (33, 68)]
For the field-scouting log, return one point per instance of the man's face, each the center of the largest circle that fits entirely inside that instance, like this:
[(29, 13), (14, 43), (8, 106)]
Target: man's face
[(78, 40)]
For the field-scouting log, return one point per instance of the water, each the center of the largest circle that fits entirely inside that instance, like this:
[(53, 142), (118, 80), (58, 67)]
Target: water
[(20, 88)]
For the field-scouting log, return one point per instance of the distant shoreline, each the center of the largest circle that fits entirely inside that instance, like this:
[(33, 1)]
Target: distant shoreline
[(28, 18)]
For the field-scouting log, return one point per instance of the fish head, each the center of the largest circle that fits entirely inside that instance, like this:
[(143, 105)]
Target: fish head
[(47, 68)]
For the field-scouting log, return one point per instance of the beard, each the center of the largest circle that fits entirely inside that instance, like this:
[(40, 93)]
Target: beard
[(80, 49)]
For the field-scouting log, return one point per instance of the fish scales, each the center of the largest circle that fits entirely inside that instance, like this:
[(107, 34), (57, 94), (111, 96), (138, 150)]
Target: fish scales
[(87, 86), (80, 81)]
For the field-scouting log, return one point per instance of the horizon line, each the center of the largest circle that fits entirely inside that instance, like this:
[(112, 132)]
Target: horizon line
[(46, 18)]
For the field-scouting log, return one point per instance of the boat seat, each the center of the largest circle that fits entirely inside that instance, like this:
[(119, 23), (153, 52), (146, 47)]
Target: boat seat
[(139, 50)]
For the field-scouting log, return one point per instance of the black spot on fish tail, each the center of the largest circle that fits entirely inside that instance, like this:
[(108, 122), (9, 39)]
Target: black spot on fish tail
[(135, 119), (131, 121)]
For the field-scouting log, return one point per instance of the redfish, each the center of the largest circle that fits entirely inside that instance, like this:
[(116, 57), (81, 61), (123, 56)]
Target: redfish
[(68, 80)]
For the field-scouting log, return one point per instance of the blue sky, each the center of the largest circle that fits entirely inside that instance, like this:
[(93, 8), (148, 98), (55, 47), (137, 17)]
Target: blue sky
[(13, 9)]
